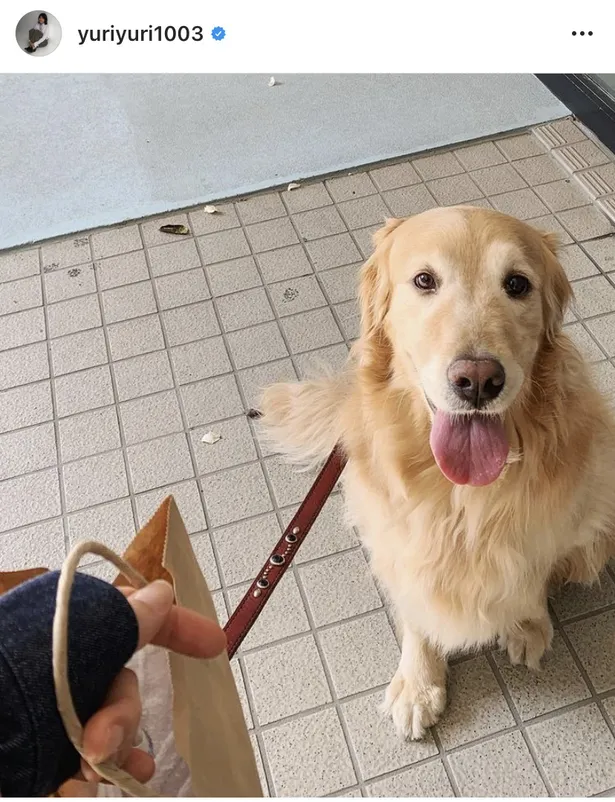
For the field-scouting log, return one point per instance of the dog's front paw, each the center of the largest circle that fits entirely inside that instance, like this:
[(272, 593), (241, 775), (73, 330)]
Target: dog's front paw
[(412, 706), (527, 642)]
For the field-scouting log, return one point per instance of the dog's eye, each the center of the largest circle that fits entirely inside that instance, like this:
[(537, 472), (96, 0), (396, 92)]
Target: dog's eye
[(425, 282), (517, 285)]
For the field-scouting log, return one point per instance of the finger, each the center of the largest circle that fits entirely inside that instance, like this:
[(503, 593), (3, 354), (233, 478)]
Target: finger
[(138, 763), (112, 730), (175, 628)]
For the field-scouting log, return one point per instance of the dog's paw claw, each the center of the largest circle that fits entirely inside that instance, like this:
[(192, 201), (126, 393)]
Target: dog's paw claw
[(527, 644), (413, 710)]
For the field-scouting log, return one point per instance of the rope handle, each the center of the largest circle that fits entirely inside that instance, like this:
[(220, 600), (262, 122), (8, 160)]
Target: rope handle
[(108, 770)]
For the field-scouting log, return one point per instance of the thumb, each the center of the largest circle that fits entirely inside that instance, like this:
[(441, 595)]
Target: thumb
[(152, 605)]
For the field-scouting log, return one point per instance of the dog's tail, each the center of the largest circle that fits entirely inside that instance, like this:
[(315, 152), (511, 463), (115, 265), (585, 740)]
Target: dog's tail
[(304, 419)]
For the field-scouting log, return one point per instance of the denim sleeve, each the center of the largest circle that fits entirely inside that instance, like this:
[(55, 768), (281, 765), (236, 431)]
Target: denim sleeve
[(36, 756)]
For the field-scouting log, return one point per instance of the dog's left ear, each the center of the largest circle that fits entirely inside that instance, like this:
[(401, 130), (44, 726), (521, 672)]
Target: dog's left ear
[(558, 290), (374, 288)]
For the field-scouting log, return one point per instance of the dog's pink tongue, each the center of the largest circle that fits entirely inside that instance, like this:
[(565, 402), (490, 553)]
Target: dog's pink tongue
[(469, 450)]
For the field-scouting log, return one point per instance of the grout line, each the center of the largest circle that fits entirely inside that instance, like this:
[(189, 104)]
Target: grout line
[(178, 396), (443, 755), (336, 702), (116, 404), (54, 413), (294, 357), (520, 724), (251, 702), (595, 697), (319, 281)]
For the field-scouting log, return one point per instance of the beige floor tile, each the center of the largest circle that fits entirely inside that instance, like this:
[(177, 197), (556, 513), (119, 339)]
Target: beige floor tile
[(590, 350), (522, 203), (309, 756), (575, 599), (593, 639), (603, 329), (499, 179), (361, 654), (577, 751), (560, 195), (602, 251), (520, 147), (339, 587), (439, 165), (502, 766), (394, 176), (423, 781), (594, 296), (576, 263), (302, 684), (551, 225), (586, 223), (476, 157), (307, 196), (539, 169), (377, 745), (455, 189), (476, 706), (535, 693)]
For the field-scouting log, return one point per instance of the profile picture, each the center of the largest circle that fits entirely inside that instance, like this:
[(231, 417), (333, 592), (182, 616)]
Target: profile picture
[(38, 33)]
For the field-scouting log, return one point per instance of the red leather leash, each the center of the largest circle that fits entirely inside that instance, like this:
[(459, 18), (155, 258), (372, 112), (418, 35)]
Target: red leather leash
[(250, 607)]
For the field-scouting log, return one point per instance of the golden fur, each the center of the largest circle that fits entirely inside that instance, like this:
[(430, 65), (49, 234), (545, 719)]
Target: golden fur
[(463, 566)]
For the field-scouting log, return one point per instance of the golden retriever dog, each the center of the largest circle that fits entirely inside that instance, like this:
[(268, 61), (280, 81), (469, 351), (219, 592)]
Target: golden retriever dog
[(481, 456)]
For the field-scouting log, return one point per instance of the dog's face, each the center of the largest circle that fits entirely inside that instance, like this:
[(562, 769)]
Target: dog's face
[(466, 297)]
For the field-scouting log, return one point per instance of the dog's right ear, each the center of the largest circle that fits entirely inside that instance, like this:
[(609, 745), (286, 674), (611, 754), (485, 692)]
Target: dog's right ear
[(558, 290), (374, 285)]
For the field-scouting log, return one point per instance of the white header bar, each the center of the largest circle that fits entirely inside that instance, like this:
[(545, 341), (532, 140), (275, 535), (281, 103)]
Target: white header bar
[(265, 36)]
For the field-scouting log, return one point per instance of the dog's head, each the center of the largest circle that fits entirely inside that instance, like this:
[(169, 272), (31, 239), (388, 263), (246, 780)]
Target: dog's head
[(464, 299)]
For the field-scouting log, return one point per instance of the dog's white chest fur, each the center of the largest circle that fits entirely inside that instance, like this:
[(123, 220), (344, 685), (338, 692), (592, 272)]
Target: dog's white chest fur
[(459, 578)]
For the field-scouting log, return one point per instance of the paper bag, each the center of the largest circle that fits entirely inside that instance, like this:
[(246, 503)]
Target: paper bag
[(204, 748)]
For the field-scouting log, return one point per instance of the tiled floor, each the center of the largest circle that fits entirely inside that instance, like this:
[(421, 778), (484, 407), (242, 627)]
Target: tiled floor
[(120, 348)]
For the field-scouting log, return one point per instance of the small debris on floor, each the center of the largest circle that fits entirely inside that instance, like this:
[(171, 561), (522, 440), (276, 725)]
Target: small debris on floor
[(290, 294), (211, 210), (293, 185), (254, 414), (210, 438), (175, 228), (272, 81)]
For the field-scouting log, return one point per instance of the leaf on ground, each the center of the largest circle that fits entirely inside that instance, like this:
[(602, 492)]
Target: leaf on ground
[(210, 438), (293, 185), (173, 228)]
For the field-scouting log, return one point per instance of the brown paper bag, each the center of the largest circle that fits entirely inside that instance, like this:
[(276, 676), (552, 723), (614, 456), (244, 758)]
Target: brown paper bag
[(208, 727)]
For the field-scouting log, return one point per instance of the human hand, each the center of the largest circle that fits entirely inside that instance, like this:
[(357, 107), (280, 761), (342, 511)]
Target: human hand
[(112, 730)]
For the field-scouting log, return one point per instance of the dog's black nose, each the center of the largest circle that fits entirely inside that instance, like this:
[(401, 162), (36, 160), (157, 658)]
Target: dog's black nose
[(477, 380)]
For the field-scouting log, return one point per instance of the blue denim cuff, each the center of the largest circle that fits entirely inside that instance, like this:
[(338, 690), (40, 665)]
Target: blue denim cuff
[(36, 756)]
